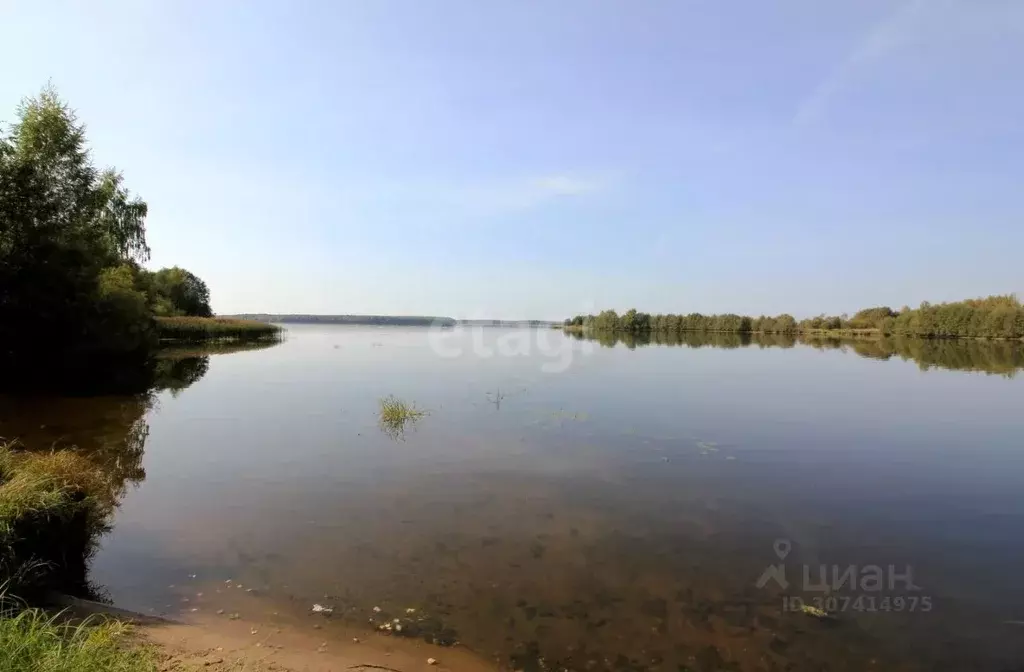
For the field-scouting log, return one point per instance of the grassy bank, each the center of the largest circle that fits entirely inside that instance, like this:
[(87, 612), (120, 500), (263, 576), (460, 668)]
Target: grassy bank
[(200, 329), (52, 507), (32, 641)]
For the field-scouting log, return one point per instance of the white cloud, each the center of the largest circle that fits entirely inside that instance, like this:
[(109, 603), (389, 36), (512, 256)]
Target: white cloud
[(515, 194), (566, 185), (955, 28), (889, 34)]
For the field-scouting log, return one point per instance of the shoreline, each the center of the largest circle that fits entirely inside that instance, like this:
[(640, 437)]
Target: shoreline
[(274, 642)]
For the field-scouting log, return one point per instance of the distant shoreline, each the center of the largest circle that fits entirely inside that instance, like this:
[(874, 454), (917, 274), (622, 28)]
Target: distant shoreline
[(387, 320)]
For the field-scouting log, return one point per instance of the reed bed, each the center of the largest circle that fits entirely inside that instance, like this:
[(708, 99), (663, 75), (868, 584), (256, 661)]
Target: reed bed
[(200, 329)]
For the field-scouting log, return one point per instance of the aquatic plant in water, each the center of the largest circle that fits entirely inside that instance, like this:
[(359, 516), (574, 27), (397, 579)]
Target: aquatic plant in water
[(395, 415)]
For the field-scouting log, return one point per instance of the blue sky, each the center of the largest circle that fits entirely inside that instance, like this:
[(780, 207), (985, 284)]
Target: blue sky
[(538, 159)]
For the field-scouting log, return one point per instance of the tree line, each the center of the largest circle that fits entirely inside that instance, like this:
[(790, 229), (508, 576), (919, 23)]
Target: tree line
[(380, 320), (75, 300), (1000, 316)]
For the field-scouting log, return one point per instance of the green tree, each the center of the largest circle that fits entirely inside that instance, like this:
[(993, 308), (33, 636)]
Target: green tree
[(65, 230), (175, 291)]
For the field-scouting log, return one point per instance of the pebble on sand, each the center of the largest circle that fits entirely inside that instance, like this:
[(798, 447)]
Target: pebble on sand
[(431, 661)]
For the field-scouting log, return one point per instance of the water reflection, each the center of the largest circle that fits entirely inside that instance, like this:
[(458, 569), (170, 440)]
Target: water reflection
[(111, 431), (615, 516), (998, 357)]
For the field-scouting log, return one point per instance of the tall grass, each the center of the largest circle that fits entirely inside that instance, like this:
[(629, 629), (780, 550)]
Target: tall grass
[(197, 329), (52, 507), (32, 641)]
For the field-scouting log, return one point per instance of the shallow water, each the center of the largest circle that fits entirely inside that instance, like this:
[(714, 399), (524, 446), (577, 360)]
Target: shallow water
[(569, 505)]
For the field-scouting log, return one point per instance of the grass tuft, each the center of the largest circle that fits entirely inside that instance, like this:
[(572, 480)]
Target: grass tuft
[(32, 641), (44, 483), (52, 505), (396, 414)]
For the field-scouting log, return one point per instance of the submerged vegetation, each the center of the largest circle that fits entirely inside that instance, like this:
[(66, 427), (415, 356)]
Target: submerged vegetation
[(991, 317), (33, 641), (396, 415)]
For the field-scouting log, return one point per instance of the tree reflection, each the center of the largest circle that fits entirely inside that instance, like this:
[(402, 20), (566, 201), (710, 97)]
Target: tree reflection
[(995, 357), (111, 432)]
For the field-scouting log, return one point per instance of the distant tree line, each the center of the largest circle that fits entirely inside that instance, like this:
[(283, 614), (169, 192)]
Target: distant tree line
[(508, 323), (75, 301), (380, 320), (991, 317), (633, 321)]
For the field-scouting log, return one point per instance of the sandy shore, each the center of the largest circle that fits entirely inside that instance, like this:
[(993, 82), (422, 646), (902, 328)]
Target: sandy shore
[(270, 643), (219, 645)]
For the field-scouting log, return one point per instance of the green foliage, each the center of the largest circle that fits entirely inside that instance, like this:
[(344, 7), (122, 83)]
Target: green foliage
[(74, 303), (636, 322), (871, 318), (32, 641), (65, 228), (992, 317), (821, 322), (175, 292)]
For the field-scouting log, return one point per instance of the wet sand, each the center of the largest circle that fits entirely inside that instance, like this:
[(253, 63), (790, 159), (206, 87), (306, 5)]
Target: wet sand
[(220, 645), (267, 641)]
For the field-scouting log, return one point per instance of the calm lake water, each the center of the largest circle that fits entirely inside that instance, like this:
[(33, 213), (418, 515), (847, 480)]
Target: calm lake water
[(572, 504)]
